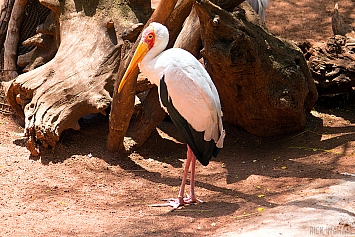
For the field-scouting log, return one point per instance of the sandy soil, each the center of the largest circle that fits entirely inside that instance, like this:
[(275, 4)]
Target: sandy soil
[(80, 189)]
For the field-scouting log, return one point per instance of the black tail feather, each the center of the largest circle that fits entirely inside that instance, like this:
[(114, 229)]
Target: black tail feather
[(203, 150)]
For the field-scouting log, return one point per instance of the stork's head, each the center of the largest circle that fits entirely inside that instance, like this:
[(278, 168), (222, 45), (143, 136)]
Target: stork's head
[(154, 40), (156, 36)]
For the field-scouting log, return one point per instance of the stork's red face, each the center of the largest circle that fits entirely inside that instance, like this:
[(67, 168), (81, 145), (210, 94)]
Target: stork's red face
[(146, 43), (148, 36)]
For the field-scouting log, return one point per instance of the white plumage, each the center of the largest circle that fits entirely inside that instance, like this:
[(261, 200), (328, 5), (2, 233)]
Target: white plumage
[(259, 7), (190, 88)]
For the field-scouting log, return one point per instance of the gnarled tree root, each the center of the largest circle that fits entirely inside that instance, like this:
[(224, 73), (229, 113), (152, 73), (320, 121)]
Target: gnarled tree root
[(76, 82)]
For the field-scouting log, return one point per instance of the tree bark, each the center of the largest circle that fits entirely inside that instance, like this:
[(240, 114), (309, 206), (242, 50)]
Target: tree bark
[(45, 43), (332, 62), (190, 38), (5, 13), (227, 5), (147, 119), (12, 39), (264, 82), (80, 78)]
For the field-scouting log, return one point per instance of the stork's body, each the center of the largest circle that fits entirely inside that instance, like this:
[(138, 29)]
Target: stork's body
[(187, 93)]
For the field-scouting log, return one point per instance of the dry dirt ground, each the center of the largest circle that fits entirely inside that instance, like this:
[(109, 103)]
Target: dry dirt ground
[(80, 189)]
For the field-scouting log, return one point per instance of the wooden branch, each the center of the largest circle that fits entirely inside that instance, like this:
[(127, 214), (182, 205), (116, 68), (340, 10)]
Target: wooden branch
[(12, 39), (227, 5), (54, 5), (122, 103), (133, 32), (331, 64), (5, 13), (143, 84), (46, 43), (148, 118), (190, 38), (177, 19), (163, 11)]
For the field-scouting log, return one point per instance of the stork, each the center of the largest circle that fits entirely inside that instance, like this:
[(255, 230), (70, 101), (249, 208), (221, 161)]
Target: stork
[(259, 7), (187, 94)]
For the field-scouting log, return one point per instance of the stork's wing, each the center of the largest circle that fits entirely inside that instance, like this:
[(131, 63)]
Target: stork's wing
[(203, 150), (195, 96)]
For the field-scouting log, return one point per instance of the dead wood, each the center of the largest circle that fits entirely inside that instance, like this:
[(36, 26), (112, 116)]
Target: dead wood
[(45, 43), (176, 20), (5, 13), (264, 83), (12, 39), (190, 38), (79, 79), (332, 63), (227, 5)]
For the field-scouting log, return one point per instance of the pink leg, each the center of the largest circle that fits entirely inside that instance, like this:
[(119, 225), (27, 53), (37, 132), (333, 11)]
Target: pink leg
[(192, 198), (180, 201)]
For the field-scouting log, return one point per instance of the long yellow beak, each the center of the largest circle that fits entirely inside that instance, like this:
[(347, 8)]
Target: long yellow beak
[(141, 51)]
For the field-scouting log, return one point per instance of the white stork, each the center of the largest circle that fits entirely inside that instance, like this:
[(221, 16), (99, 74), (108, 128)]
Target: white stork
[(259, 7), (187, 94)]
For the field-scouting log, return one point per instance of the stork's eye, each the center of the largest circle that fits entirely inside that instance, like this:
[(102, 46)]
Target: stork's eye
[(150, 36)]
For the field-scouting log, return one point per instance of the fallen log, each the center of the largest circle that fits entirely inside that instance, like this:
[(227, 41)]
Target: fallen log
[(332, 63), (264, 82), (79, 79)]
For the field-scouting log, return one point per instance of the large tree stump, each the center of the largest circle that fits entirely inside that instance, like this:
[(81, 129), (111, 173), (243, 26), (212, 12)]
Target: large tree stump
[(332, 63), (263, 81), (80, 78)]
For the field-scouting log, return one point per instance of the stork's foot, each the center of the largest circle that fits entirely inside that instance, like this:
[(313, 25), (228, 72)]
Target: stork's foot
[(175, 203), (192, 200)]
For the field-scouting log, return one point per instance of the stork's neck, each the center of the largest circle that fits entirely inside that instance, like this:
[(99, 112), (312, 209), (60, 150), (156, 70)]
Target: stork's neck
[(150, 66), (153, 53)]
